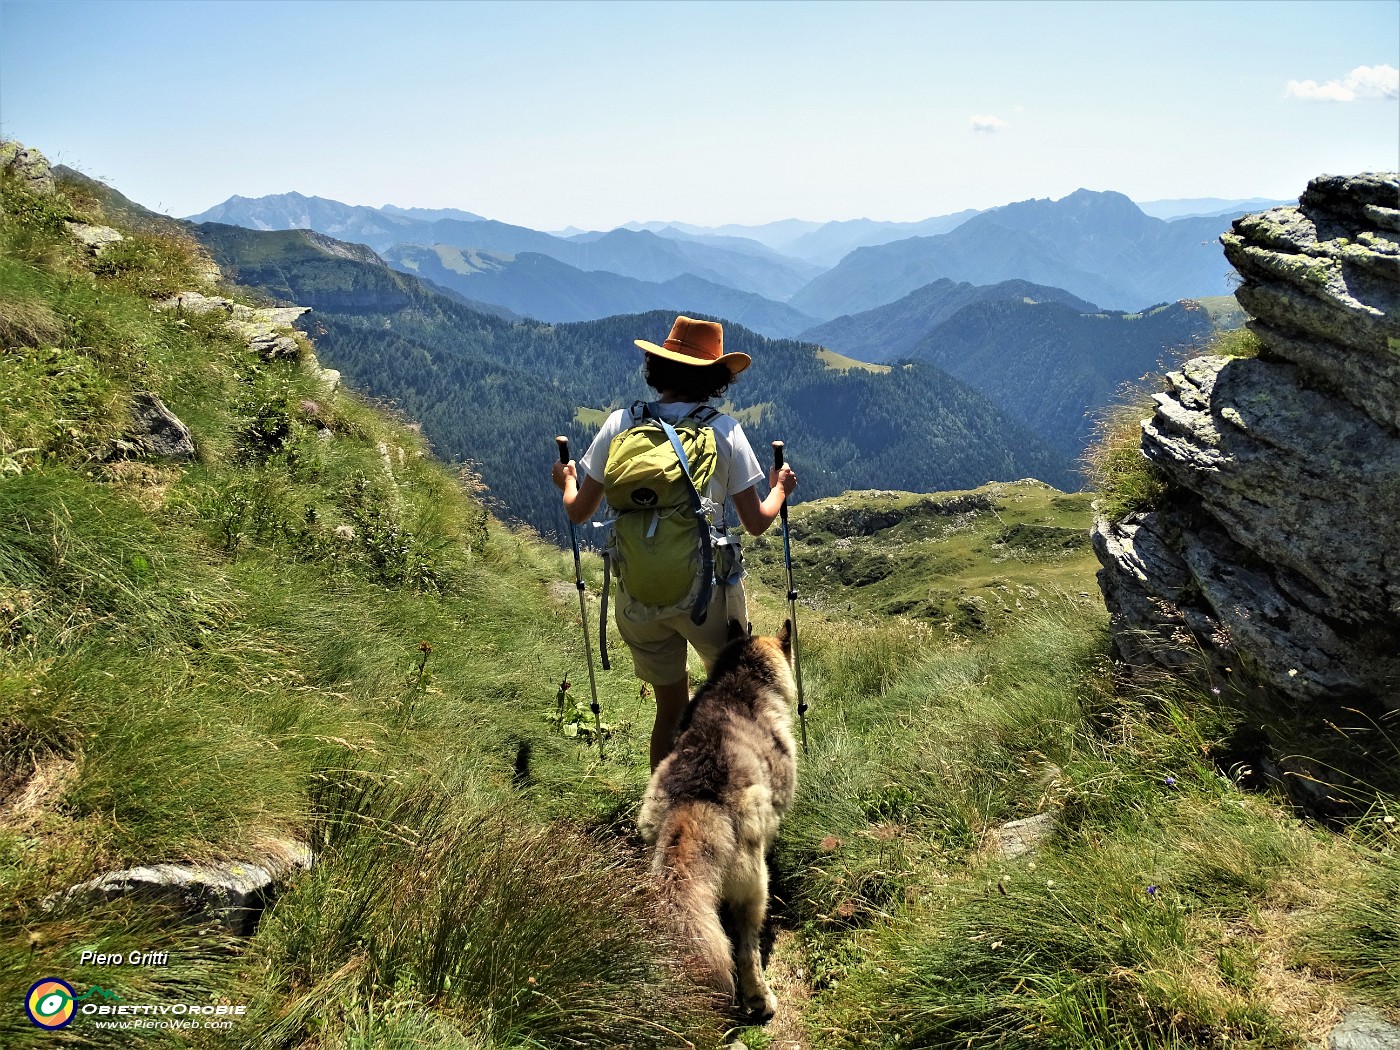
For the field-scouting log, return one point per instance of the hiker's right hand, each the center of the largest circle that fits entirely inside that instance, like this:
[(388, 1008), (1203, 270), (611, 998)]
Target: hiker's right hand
[(563, 473), (784, 477)]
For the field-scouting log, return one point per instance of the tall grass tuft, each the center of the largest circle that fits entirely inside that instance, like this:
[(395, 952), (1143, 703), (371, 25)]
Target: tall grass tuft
[(426, 901)]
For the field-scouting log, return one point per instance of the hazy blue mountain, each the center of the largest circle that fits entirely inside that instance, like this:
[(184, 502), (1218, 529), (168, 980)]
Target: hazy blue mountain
[(431, 214), (1099, 246), (890, 332), (1050, 366), (1200, 207), (542, 287), (833, 241), (631, 253), (293, 211), (773, 234)]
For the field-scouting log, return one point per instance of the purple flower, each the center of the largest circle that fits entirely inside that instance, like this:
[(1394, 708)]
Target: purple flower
[(1152, 891), (1169, 781)]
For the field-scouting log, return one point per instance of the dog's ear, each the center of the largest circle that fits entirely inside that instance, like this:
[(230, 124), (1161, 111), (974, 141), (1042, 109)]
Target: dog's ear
[(736, 630), (785, 638)]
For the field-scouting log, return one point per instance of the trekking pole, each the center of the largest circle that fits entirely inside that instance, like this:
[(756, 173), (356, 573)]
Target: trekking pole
[(563, 444), (792, 603)]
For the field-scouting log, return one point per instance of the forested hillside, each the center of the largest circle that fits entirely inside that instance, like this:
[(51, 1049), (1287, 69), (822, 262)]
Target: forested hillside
[(1056, 369), (495, 392)]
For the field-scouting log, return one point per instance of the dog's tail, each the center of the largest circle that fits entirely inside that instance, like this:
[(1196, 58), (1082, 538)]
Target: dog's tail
[(694, 846)]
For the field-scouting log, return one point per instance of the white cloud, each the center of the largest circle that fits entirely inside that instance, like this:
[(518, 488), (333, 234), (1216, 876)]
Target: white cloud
[(1361, 82), (986, 123)]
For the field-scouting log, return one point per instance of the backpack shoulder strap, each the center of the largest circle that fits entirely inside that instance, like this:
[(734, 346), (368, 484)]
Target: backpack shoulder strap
[(704, 413), (707, 555)]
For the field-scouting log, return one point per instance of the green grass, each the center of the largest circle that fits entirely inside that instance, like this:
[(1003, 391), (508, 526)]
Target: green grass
[(967, 563)]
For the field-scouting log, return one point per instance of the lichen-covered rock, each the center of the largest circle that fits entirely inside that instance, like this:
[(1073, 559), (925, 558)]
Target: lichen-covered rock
[(1321, 281), (30, 165), (1275, 556), (231, 893), (97, 238)]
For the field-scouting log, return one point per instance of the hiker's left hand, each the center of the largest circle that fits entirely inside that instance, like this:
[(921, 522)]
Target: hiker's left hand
[(563, 473), (782, 476)]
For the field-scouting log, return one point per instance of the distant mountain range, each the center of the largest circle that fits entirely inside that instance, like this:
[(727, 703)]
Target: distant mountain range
[(1098, 246)]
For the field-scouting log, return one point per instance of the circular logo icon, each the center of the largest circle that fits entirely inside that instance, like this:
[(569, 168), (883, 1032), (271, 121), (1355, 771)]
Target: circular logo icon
[(645, 497), (50, 1003)]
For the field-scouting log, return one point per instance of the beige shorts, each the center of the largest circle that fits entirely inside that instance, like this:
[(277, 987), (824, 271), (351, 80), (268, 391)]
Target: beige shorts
[(659, 646)]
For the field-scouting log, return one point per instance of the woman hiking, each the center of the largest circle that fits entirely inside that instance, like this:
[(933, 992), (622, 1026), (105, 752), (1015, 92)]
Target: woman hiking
[(687, 371)]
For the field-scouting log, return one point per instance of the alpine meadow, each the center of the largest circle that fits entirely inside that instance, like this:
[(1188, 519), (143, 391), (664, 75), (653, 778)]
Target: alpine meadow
[(1095, 587)]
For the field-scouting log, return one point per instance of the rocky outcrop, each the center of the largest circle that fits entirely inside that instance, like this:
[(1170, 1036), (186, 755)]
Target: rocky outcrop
[(29, 165), (1274, 560)]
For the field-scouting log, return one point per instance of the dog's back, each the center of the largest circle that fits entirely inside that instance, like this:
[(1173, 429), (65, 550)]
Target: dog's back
[(713, 806)]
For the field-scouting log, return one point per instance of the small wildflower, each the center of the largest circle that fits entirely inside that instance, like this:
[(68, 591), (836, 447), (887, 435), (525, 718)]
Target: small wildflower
[(1215, 689), (1387, 820), (996, 945), (425, 648), (1152, 891), (1169, 781), (829, 843), (345, 532), (529, 980), (1293, 672)]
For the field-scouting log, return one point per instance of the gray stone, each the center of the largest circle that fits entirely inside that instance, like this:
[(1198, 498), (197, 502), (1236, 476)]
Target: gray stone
[(231, 893), (1363, 1028), (155, 431), (30, 165), (1016, 838), (1321, 282), (97, 238)]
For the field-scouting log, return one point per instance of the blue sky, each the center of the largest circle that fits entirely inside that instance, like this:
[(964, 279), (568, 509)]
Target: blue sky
[(594, 114)]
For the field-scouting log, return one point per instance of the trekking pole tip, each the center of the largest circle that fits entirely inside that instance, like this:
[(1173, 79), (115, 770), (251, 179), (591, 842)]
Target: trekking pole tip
[(563, 444)]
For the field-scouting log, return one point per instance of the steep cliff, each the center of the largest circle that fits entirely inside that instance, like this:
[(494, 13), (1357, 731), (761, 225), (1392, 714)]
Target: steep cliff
[(1273, 561)]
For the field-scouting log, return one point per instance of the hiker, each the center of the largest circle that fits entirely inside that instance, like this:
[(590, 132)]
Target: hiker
[(689, 370)]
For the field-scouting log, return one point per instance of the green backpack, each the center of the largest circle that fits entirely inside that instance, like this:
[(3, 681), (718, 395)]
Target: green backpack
[(662, 542)]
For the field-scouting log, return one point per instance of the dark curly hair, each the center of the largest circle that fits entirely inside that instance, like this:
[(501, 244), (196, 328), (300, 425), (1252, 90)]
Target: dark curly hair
[(687, 382)]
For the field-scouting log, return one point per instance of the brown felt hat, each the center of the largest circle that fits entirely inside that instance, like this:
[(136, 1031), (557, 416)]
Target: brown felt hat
[(693, 342)]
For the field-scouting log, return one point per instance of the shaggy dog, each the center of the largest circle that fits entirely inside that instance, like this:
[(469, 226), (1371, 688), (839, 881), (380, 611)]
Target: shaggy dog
[(713, 805)]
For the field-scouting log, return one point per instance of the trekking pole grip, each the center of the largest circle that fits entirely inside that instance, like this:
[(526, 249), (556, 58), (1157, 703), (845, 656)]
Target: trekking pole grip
[(563, 444), (778, 447)]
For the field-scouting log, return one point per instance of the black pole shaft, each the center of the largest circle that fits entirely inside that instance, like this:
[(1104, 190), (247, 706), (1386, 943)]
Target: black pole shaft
[(597, 710), (778, 449)]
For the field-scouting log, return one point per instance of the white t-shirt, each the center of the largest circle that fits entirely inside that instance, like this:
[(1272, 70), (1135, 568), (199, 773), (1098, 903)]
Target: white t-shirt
[(736, 470)]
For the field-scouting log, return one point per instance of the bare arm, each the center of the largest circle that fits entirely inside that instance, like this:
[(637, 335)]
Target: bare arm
[(755, 514), (580, 501)]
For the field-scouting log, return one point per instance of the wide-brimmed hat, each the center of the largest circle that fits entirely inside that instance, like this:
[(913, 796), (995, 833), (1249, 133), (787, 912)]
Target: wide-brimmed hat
[(693, 342)]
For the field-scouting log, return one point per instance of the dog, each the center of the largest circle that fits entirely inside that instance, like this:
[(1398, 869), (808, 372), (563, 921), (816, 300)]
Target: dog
[(713, 805)]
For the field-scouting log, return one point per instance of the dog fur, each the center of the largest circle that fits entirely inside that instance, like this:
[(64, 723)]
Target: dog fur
[(714, 803)]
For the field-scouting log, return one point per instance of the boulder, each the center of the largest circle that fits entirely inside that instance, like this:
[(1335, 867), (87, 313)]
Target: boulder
[(155, 432), (1272, 557), (232, 893), (97, 238), (31, 166)]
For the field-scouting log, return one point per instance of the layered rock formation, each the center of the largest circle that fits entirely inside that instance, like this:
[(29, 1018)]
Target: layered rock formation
[(1273, 561)]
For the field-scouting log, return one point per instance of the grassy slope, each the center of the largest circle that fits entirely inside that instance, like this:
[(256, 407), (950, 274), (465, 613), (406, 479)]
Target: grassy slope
[(193, 663)]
